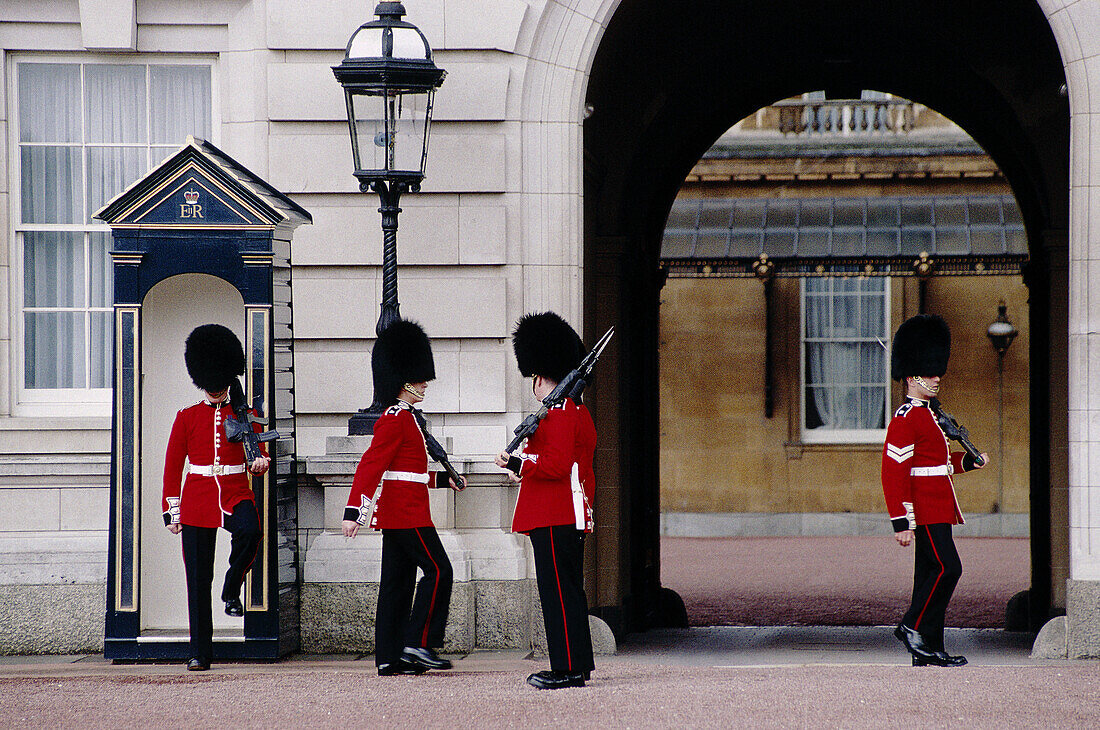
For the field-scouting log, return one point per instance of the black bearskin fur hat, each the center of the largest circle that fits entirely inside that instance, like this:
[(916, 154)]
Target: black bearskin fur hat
[(402, 354), (214, 357), (546, 345), (921, 346)]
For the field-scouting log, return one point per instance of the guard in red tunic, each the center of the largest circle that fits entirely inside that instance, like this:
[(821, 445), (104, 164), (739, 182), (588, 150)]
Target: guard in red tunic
[(556, 493), (390, 493), (216, 492), (916, 480)]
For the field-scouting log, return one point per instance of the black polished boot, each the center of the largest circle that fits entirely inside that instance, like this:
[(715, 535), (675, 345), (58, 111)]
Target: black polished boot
[(234, 607), (556, 680), (914, 643), (425, 657), (194, 664), (399, 667)]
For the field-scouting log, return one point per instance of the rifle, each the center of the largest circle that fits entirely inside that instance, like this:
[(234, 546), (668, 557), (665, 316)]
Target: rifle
[(436, 450), (570, 386), (238, 428), (955, 432)]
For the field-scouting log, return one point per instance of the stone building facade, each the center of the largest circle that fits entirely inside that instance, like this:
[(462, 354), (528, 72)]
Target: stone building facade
[(563, 132)]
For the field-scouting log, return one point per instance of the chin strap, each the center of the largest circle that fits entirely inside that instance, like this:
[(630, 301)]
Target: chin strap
[(920, 381)]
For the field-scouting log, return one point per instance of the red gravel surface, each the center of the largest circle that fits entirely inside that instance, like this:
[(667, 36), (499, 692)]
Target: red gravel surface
[(622, 694), (832, 581)]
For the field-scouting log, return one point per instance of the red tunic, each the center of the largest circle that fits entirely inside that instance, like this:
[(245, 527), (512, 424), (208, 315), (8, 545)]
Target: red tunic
[(916, 470), (198, 435), (565, 438), (397, 458)]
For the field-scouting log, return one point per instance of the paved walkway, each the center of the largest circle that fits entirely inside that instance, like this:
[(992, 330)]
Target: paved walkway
[(774, 677)]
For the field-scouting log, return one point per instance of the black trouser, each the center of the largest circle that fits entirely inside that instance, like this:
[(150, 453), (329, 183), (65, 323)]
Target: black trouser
[(936, 571), (559, 572), (198, 563), (403, 551)]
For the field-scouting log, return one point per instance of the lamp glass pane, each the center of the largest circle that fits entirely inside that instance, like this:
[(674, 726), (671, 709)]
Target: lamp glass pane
[(390, 131), (408, 43), (366, 43)]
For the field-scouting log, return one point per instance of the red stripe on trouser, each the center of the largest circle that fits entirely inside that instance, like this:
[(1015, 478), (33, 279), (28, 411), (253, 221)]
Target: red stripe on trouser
[(916, 624), (435, 589), (561, 599)]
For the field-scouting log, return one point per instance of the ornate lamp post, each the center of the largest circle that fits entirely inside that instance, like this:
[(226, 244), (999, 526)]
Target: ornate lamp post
[(389, 82), (1001, 333)]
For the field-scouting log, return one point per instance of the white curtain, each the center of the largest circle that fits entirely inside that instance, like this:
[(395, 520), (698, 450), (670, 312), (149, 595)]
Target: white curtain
[(87, 132), (845, 365)]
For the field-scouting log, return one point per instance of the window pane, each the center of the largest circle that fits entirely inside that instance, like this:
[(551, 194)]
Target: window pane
[(782, 213), (711, 245), (987, 241), (180, 103), (847, 243), (714, 217), (985, 211), (744, 244), (882, 243), (102, 272), (882, 213), (951, 212), (115, 103), (816, 213), (50, 184), (677, 245), (1015, 241), (872, 323), (49, 102), (951, 241), (916, 212), (110, 170), (53, 269), (813, 243), (872, 408), (102, 338), (748, 214), (916, 240), (55, 350), (779, 243), (683, 215), (848, 213)]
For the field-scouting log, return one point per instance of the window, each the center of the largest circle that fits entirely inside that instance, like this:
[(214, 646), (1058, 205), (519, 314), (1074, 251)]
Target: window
[(845, 376), (85, 131)]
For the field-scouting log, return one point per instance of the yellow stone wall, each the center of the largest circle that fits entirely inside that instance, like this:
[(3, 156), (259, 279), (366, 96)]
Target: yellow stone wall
[(719, 453)]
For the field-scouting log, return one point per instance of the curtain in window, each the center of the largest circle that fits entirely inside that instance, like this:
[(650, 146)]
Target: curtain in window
[(86, 132), (844, 371)]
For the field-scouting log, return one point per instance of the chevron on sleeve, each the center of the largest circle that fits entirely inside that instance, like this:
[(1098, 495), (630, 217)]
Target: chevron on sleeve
[(900, 454)]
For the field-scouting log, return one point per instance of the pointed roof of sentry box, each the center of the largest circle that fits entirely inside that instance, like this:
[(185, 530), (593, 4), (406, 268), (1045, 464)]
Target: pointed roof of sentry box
[(202, 187)]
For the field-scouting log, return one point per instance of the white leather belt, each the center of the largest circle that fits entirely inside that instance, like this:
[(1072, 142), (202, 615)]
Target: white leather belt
[(406, 476), (929, 471), (210, 470)]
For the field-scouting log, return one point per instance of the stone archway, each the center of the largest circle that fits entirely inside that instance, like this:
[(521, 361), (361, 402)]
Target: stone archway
[(663, 86)]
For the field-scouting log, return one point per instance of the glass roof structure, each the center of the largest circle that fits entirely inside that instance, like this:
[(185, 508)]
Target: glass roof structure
[(962, 234)]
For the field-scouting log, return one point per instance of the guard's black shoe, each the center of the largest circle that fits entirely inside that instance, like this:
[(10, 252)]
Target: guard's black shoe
[(424, 657), (913, 642), (194, 664), (556, 680), (940, 659), (233, 607), (399, 667)]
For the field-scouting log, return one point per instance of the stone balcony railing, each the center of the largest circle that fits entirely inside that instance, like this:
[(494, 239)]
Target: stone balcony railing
[(846, 116)]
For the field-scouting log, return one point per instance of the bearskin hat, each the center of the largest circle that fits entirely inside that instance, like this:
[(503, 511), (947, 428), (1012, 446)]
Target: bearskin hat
[(214, 357), (546, 345), (921, 346), (402, 354)]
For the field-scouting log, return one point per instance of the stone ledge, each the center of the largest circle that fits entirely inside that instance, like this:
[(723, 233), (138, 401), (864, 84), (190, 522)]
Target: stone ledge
[(823, 524), (36, 559)]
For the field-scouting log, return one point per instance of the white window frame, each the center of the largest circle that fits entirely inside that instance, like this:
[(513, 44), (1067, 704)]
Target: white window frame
[(841, 436), (67, 401)]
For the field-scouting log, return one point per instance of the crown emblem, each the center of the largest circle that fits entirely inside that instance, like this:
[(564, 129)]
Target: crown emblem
[(191, 196)]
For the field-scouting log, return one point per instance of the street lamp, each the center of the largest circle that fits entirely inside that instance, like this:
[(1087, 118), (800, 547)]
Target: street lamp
[(389, 82), (1001, 333)]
